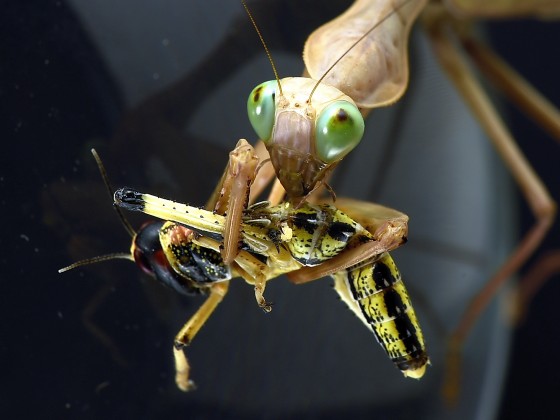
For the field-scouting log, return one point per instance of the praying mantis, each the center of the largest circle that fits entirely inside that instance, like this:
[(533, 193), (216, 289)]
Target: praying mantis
[(344, 72), (519, 263)]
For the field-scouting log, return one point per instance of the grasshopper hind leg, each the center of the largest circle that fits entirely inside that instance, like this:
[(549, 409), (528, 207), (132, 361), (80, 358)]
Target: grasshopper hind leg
[(185, 336)]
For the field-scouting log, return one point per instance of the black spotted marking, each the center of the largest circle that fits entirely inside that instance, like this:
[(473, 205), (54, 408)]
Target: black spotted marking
[(390, 315), (275, 236), (352, 273), (381, 341), (341, 231), (199, 265), (403, 324), (383, 279), (211, 262), (305, 221), (383, 276), (395, 306)]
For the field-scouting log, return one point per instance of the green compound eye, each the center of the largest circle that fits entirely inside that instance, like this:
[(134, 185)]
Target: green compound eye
[(261, 109), (339, 129)]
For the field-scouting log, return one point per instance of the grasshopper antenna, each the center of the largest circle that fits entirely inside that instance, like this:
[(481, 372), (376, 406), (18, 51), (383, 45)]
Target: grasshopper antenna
[(100, 258), (364, 36), (268, 54), (111, 192), (122, 218)]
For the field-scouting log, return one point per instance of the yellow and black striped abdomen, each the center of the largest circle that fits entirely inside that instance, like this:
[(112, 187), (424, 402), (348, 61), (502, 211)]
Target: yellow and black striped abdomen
[(376, 293), (373, 289)]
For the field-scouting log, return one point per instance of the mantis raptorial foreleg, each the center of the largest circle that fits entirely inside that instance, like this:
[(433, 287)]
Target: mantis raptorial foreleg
[(234, 195), (389, 228)]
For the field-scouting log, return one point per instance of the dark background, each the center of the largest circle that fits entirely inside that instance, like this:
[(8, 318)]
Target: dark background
[(58, 99)]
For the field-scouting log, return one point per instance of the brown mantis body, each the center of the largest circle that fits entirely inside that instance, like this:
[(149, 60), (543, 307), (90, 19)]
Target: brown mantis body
[(364, 66)]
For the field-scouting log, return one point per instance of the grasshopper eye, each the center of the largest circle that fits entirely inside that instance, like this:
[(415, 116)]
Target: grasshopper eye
[(261, 109), (339, 129)]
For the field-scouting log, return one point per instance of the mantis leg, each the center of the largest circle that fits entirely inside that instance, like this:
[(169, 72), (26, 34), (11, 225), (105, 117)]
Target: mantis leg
[(518, 90), (389, 229), (185, 336), (544, 113), (536, 194), (231, 196), (243, 181), (543, 270)]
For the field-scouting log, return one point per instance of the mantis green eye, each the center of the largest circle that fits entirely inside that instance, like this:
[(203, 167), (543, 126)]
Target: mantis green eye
[(339, 129), (261, 109)]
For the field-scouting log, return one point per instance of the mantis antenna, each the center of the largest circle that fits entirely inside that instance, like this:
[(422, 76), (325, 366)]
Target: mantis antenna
[(268, 54), (370, 30)]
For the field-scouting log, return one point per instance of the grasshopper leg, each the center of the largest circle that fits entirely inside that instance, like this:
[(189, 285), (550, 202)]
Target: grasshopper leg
[(185, 336)]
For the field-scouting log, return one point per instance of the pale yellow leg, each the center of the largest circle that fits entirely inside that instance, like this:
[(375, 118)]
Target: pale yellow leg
[(536, 194), (182, 371), (185, 336), (260, 285)]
